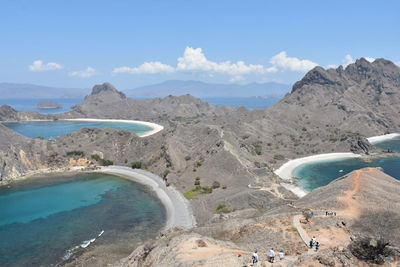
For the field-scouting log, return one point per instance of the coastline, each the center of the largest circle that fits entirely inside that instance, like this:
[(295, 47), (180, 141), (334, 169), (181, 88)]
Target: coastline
[(382, 138), (155, 127), (286, 170), (179, 211)]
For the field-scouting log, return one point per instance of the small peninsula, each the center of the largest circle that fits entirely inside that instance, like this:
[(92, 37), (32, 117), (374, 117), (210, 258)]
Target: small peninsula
[(48, 105)]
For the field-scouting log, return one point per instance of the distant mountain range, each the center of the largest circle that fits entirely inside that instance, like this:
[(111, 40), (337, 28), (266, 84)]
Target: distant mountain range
[(25, 90), (202, 89), (170, 87)]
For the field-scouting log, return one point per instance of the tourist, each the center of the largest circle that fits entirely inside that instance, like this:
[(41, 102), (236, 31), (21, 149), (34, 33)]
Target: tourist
[(281, 254), (317, 246), (311, 243), (271, 255), (255, 257)]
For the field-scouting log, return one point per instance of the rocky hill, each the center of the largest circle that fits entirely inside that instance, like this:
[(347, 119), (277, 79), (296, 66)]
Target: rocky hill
[(233, 149), (347, 239), (115, 104)]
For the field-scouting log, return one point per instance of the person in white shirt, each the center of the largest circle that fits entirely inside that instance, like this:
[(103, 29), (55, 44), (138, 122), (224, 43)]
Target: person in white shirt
[(281, 255), (255, 257), (271, 255)]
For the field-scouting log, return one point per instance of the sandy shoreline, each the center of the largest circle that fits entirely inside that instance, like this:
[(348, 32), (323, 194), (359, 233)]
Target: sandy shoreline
[(155, 127), (381, 138), (179, 211), (286, 170)]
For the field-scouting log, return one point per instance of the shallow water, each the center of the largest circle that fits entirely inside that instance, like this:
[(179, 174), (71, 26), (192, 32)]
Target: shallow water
[(317, 174), (53, 129), (40, 220), (393, 144)]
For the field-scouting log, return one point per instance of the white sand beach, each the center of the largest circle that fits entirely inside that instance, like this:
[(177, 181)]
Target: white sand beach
[(286, 170), (381, 138), (179, 211), (155, 127)]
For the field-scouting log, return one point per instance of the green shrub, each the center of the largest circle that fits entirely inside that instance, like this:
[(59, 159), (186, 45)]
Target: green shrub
[(165, 174), (197, 182), (257, 148), (198, 190), (136, 165), (95, 157), (216, 185), (76, 153), (106, 162), (279, 157), (222, 208)]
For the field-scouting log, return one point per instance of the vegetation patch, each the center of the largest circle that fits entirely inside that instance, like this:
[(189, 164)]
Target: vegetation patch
[(76, 153), (198, 190), (279, 157), (136, 165), (222, 208)]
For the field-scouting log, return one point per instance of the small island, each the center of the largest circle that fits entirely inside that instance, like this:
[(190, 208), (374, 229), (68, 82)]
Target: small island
[(48, 105)]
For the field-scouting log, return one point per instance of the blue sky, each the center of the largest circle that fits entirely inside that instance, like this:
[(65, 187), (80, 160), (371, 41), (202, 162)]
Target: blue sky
[(133, 43)]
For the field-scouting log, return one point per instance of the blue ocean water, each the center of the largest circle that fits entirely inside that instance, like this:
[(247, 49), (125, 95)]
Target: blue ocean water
[(317, 174), (393, 144), (29, 104), (53, 129), (41, 220)]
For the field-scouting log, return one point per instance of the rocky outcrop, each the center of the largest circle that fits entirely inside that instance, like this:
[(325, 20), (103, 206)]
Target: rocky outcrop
[(48, 105)]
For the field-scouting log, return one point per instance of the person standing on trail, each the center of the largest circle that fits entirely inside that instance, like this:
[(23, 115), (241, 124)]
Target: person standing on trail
[(317, 246), (271, 255), (311, 243), (281, 254), (254, 258)]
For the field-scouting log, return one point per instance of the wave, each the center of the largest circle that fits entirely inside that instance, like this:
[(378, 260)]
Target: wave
[(70, 252)]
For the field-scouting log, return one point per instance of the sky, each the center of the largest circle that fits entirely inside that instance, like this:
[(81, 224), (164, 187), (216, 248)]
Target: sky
[(134, 43)]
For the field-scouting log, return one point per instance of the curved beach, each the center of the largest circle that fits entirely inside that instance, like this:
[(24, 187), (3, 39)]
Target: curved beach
[(382, 138), (179, 211), (155, 127), (286, 170)]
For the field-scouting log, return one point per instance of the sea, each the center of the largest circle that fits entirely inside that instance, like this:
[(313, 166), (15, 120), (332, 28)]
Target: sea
[(54, 129), (29, 104), (46, 221), (317, 174)]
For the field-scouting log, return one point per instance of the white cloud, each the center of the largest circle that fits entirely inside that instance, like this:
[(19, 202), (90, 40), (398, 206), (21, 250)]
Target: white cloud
[(86, 73), (332, 66), (147, 67), (348, 59), (39, 66), (370, 59), (237, 78), (284, 62), (194, 60)]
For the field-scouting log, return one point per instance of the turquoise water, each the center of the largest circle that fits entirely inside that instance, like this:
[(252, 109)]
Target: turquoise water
[(53, 129), (393, 144), (317, 174), (42, 219)]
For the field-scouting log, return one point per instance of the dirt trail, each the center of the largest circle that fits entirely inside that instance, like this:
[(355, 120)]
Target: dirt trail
[(353, 209)]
